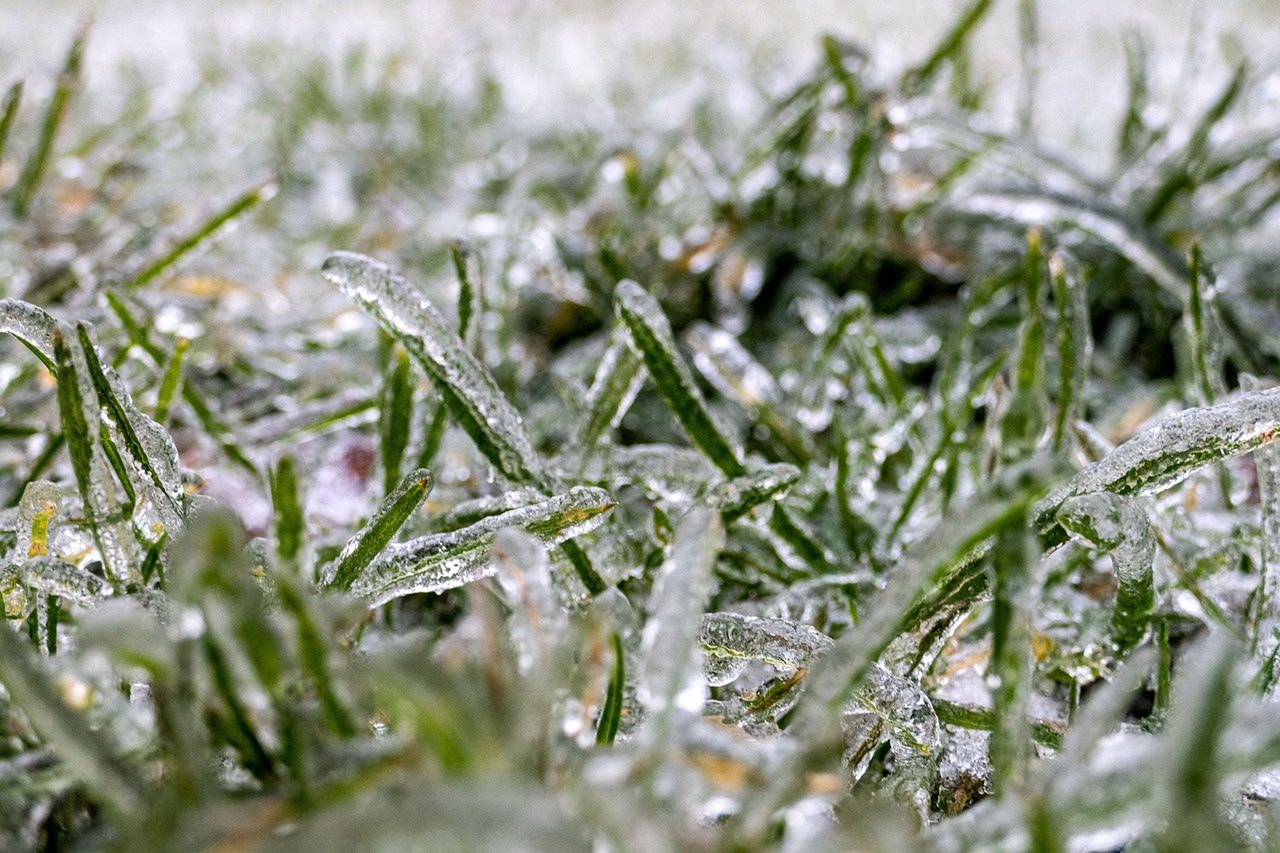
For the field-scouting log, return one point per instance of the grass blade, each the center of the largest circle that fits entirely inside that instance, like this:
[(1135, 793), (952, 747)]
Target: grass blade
[(8, 111), (395, 417), (372, 539), (446, 560), (205, 232), (29, 181), (651, 338), (468, 389)]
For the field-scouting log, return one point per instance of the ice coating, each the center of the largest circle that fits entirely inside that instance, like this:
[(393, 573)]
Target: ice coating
[(730, 640), (147, 445), (893, 708), (652, 340), (39, 505), (618, 379), (51, 576), (1164, 454), (739, 495), (470, 392), (31, 325), (524, 574), (443, 561), (732, 370), (670, 637), (116, 544), (1118, 524)]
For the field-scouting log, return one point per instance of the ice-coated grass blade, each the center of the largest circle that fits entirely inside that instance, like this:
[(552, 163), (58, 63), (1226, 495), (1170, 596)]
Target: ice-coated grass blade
[(1194, 320), (1074, 341), (984, 720), (395, 417), (616, 383), (1015, 592), (9, 111), (203, 233), (1023, 420), (1119, 525), (446, 560), (1163, 455), (736, 497), (611, 713), (147, 443), (466, 266), (32, 326), (38, 160), (468, 389), (679, 594), (363, 548), (736, 639), (78, 407), (84, 751), (139, 335), (736, 374), (651, 338)]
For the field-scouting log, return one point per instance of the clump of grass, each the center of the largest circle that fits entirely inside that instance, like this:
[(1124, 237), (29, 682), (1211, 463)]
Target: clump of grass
[(895, 476)]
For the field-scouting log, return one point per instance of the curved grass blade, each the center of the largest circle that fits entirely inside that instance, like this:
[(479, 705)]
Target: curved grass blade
[(468, 389), (1165, 454), (29, 181), (203, 233), (32, 326), (446, 560), (372, 539), (651, 338), (171, 380), (1119, 525)]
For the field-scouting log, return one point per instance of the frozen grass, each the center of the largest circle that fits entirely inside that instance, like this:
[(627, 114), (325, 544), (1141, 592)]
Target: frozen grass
[(855, 470)]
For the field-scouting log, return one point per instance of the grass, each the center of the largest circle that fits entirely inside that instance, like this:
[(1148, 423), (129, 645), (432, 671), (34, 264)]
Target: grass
[(869, 469)]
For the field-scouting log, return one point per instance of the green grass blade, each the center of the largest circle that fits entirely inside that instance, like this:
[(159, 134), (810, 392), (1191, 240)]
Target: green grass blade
[(468, 389), (616, 383), (286, 500), (373, 538), (447, 560), (395, 418), (9, 111), (651, 338), (948, 47), (38, 160), (205, 232), (611, 713), (170, 381), (147, 443), (1015, 592)]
